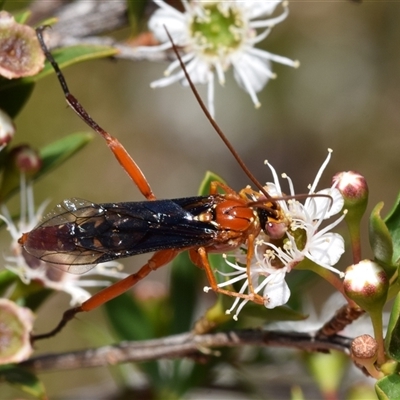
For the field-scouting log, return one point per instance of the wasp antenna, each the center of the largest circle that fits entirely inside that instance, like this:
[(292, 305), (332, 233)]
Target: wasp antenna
[(295, 197), (214, 123)]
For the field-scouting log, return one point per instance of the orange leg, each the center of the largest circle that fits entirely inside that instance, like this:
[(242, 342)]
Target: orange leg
[(119, 151), (199, 257), (215, 185), (114, 145), (250, 252), (159, 259)]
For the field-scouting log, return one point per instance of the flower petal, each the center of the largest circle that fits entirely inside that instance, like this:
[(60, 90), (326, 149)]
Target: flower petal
[(327, 249), (251, 73), (277, 290), (259, 9), (174, 22)]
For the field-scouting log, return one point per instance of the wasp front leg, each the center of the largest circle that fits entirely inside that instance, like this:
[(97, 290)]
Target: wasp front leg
[(199, 257), (215, 185)]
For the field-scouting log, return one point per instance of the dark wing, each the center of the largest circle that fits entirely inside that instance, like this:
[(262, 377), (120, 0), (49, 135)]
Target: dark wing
[(79, 232)]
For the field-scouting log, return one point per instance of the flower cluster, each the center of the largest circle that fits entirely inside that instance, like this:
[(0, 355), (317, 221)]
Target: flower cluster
[(301, 237), (216, 35), (51, 276)]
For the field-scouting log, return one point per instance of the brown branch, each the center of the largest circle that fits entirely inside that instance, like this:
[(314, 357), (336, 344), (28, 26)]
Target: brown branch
[(343, 317), (184, 345)]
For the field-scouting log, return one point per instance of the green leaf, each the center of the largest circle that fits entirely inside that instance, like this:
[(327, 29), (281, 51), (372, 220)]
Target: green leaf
[(7, 278), (388, 388), (381, 241), (209, 177), (22, 16), (136, 10), (24, 380), (128, 319), (14, 93), (13, 100), (327, 370), (392, 222), (392, 339), (31, 295), (184, 275), (56, 153), (131, 323), (52, 155)]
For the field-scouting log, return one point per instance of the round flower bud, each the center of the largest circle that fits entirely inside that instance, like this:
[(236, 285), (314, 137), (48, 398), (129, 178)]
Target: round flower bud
[(26, 158), (15, 327), (367, 284), (354, 190), (364, 347), (353, 187), (364, 351)]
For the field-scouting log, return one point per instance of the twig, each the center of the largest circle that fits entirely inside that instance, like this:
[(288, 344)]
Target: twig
[(184, 345)]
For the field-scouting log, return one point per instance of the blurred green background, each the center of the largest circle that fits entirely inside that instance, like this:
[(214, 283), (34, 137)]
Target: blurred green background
[(344, 96)]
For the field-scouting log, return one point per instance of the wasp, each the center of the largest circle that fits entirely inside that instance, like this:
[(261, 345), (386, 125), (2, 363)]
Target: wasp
[(79, 234)]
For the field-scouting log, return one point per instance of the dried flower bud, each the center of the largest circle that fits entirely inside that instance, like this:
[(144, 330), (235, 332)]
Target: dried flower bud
[(7, 128), (364, 347), (26, 159), (367, 284), (15, 327), (20, 52), (364, 351)]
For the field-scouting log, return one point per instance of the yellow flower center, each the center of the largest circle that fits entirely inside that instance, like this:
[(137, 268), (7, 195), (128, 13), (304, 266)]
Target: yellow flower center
[(219, 30)]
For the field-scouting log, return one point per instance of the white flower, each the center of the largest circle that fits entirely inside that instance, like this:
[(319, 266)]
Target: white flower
[(300, 237), (7, 129), (215, 35), (51, 276)]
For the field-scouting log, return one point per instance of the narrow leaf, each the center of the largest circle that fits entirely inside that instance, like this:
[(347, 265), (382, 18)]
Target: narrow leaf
[(127, 318), (205, 185), (381, 240), (392, 339), (185, 288), (136, 10), (51, 155), (131, 323), (14, 93), (392, 222), (24, 380)]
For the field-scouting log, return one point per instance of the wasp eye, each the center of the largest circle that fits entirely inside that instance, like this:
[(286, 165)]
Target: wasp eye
[(275, 230)]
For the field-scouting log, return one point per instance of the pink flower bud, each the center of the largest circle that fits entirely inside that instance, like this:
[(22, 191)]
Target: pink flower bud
[(26, 159), (367, 284), (353, 187)]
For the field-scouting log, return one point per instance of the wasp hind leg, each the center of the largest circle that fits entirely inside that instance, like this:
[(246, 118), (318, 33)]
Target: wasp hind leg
[(158, 260)]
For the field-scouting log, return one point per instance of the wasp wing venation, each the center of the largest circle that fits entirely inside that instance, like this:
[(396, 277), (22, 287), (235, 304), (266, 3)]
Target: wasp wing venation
[(79, 232), (53, 239)]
